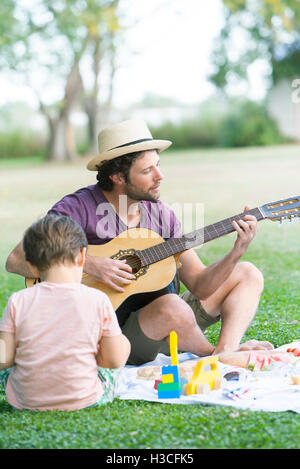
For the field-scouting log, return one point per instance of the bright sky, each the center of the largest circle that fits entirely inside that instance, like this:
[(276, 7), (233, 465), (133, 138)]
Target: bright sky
[(167, 53), (174, 50)]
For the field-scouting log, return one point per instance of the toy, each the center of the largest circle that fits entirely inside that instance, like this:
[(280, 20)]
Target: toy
[(295, 379), (170, 386), (183, 381), (156, 383), (238, 359), (232, 376), (203, 381)]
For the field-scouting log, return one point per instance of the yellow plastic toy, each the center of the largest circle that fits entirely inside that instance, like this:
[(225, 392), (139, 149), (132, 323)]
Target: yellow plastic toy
[(168, 378), (204, 381), (173, 348), (170, 386)]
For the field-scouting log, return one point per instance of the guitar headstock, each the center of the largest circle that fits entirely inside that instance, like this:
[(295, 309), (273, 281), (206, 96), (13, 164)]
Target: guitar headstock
[(287, 209)]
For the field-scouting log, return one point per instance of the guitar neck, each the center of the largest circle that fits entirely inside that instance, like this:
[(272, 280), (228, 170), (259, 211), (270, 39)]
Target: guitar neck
[(217, 230), (195, 238)]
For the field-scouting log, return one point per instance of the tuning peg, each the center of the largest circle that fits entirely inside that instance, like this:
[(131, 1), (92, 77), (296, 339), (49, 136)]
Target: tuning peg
[(282, 220)]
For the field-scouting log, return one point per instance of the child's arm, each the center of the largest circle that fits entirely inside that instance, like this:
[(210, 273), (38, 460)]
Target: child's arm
[(113, 351), (7, 349)]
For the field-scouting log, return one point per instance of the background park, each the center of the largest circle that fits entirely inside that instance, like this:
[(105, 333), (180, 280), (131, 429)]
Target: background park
[(221, 79)]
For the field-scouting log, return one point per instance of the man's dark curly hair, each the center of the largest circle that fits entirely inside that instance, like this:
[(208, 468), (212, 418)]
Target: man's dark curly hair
[(121, 164)]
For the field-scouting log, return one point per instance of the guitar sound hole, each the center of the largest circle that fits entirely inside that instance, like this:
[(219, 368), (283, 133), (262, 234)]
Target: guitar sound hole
[(133, 261)]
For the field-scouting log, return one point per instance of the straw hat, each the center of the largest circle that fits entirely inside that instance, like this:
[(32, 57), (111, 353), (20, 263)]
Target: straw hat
[(127, 137)]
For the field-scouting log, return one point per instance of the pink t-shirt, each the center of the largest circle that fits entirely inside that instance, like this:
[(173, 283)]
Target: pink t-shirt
[(57, 329)]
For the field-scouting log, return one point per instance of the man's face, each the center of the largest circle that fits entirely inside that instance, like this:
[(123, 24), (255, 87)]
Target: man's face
[(144, 177)]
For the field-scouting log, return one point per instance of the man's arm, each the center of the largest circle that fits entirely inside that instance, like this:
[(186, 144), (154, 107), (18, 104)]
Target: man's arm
[(17, 264), (200, 280), (7, 349), (204, 281), (113, 273)]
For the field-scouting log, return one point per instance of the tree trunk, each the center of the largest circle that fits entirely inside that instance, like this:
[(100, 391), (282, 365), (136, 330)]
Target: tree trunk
[(61, 146), (91, 109), (62, 142)]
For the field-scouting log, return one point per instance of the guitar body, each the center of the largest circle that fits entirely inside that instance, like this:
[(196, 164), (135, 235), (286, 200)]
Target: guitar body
[(150, 281)]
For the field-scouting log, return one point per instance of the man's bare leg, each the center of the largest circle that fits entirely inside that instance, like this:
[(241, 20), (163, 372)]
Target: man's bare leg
[(237, 301), (168, 313)]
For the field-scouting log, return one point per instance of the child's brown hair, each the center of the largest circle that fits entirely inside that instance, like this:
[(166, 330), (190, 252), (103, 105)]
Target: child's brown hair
[(53, 240)]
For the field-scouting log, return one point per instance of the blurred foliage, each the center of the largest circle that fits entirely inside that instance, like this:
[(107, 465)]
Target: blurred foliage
[(67, 27), (249, 124), (12, 31), (217, 123), (17, 143), (21, 134), (267, 30), (61, 42), (241, 123), (286, 63)]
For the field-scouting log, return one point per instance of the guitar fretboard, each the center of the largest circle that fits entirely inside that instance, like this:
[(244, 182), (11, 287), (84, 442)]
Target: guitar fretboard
[(195, 238)]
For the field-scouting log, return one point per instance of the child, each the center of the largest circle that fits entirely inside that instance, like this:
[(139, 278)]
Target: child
[(59, 331)]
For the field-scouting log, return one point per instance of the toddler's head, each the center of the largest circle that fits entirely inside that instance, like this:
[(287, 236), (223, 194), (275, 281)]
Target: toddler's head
[(53, 240)]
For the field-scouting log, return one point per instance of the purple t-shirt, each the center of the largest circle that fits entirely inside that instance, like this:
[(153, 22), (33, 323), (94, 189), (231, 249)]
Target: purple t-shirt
[(92, 211)]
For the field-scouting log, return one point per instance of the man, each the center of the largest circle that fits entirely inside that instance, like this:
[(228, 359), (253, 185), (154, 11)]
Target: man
[(127, 195)]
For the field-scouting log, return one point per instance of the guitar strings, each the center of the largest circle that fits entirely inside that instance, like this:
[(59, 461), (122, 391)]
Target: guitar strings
[(166, 249)]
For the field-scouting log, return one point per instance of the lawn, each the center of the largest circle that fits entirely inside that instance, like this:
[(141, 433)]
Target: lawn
[(222, 182)]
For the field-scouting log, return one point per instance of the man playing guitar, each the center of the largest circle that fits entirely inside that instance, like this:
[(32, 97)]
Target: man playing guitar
[(127, 196)]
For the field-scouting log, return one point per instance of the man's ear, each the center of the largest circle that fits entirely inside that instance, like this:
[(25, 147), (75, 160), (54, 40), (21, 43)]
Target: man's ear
[(118, 178), (81, 257)]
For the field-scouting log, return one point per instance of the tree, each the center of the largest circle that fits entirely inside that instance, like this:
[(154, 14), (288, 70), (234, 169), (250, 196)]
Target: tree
[(56, 39), (266, 30), (103, 48)]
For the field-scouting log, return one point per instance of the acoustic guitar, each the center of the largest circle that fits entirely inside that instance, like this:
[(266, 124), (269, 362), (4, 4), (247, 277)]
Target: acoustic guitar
[(154, 261)]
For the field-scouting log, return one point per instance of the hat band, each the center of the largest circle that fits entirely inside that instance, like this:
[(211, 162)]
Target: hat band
[(132, 143)]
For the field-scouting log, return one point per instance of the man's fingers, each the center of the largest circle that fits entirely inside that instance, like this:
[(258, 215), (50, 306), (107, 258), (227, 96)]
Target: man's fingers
[(124, 274), (119, 281), (115, 287), (122, 280), (246, 227), (267, 345), (238, 228), (123, 265), (256, 345), (250, 218)]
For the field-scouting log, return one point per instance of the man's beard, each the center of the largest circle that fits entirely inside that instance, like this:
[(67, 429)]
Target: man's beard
[(135, 193)]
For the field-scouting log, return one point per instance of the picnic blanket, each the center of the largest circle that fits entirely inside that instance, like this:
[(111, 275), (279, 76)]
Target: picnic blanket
[(270, 390)]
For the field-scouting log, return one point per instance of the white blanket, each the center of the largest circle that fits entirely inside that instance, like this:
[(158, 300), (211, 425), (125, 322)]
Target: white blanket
[(264, 390)]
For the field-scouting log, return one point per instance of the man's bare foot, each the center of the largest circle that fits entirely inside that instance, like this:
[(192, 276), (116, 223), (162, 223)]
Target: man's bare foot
[(255, 345)]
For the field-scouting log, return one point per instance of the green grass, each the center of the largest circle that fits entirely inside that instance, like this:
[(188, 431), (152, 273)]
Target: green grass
[(23, 162), (134, 424), (224, 181)]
